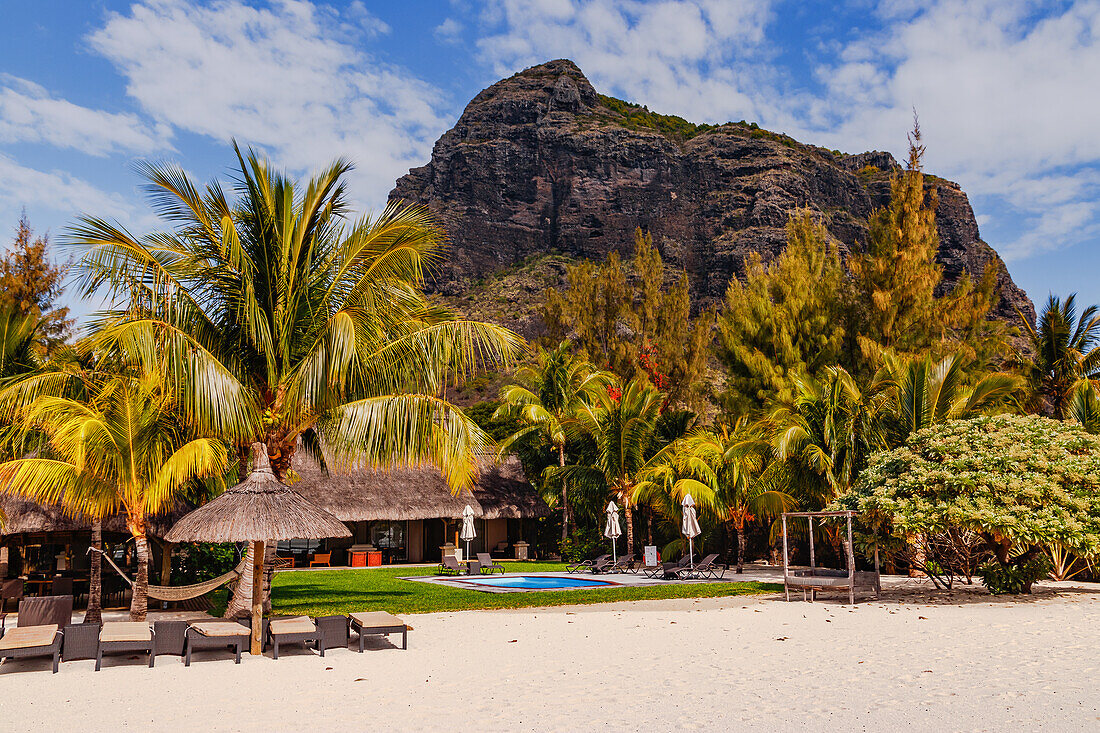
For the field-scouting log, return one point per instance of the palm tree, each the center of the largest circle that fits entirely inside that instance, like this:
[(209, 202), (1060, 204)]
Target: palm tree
[(733, 481), (825, 435), (1064, 349), (923, 393), (1084, 406), (22, 342), (624, 429), (120, 449), (279, 320), (546, 398)]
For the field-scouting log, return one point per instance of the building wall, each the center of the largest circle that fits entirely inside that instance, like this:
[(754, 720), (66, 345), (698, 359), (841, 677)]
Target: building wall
[(496, 531), (414, 540)]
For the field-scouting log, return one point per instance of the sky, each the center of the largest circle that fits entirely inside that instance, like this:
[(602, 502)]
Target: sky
[(1006, 92)]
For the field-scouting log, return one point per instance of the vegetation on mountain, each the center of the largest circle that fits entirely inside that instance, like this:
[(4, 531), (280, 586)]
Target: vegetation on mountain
[(629, 320)]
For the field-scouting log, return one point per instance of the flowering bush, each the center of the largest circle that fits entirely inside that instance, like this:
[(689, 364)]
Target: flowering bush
[(1021, 483)]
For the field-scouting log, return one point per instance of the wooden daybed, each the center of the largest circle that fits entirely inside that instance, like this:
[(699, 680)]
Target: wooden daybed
[(814, 579)]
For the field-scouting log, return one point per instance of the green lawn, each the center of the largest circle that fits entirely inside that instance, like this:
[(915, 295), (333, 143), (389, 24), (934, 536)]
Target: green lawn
[(324, 592)]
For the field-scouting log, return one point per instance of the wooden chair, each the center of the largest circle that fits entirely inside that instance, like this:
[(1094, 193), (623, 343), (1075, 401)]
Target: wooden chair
[(321, 559)]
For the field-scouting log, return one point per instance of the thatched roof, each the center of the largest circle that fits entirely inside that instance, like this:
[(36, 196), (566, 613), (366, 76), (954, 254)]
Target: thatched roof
[(259, 508), (358, 495), (22, 516)]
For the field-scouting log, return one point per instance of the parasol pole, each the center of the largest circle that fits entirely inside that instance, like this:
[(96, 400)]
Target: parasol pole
[(257, 645)]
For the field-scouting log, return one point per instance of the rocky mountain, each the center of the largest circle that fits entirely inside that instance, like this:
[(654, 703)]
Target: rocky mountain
[(540, 169)]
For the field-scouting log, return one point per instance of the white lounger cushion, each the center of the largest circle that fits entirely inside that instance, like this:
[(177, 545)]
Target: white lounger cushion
[(296, 625), (125, 631), (27, 637), (220, 628), (376, 619)]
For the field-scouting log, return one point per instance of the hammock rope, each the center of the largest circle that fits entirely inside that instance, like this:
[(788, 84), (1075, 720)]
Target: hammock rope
[(178, 592)]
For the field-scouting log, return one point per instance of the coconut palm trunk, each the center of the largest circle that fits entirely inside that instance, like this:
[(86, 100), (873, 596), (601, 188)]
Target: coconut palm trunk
[(240, 604), (740, 525), (566, 515), (94, 614), (629, 515), (139, 604)]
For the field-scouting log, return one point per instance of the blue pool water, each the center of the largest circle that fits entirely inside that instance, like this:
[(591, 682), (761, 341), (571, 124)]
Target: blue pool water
[(535, 582)]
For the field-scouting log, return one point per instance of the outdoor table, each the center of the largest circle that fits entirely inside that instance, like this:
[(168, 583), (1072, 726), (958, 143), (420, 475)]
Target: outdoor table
[(39, 585)]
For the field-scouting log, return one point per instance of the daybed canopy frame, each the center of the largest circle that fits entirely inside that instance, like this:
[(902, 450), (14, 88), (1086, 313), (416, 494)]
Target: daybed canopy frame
[(816, 578)]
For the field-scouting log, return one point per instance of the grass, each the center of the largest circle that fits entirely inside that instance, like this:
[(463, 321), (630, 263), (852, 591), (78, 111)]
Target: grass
[(324, 592)]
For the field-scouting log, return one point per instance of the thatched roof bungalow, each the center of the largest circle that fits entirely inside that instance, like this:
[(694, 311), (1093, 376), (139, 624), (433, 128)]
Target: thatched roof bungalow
[(410, 513)]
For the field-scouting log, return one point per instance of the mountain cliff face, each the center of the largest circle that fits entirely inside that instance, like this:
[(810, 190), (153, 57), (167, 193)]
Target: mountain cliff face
[(540, 164)]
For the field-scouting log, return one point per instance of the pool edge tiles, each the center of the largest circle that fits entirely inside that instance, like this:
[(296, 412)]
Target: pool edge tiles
[(488, 584)]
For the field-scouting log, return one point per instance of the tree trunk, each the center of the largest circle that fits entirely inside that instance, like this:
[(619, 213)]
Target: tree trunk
[(139, 604), (629, 529), (240, 603), (566, 515), (740, 547), (94, 614), (279, 454)]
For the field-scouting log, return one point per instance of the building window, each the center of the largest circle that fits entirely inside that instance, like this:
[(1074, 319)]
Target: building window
[(389, 537)]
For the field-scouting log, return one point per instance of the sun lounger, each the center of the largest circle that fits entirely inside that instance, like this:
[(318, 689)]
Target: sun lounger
[(80, 641), (214, 635), (487, 563), (169, 637), (603, 565), (710, 567), (671, 570), (370, 623), (576, 567), (39, 630), (451, 566), (624, 564), (32, 641), (700, 569), (125, 636), (293, 630), (334, 632)]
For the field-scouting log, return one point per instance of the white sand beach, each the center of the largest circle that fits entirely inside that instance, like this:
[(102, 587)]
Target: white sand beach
[(912, 660)]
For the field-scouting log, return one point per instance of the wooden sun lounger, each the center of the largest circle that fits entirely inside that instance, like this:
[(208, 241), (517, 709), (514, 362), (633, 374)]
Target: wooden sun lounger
[(378, 623), (125, 636), (215, 635), (294, 630)]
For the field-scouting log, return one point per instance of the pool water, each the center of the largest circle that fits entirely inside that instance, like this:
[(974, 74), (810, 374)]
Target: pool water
[(536, 582)]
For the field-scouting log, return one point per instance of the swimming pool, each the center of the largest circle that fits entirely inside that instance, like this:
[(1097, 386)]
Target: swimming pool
[(533, 582)]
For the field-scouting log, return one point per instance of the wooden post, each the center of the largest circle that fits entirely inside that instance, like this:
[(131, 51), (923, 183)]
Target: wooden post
[(812, 565), (851, 564), (786, 590), (257, 597)]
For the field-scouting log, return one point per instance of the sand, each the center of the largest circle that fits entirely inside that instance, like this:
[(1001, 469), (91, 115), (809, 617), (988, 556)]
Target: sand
[(912, 661)]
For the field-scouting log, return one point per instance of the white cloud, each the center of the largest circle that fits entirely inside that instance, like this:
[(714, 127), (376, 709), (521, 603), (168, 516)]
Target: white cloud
[(448, 31), (674, 55), (1005, 88), (29, 114), (284, 77), (56, 191)]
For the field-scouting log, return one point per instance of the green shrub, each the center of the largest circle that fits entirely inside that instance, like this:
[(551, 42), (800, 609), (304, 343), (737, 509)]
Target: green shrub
[(1013, 579), (194, 563), (584, 544)]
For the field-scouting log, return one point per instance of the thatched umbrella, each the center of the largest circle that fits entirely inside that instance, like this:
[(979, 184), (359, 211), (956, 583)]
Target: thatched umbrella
[(259, 506)]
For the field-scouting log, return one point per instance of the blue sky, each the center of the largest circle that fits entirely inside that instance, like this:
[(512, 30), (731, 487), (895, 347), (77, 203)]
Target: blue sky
[(1005, 89)]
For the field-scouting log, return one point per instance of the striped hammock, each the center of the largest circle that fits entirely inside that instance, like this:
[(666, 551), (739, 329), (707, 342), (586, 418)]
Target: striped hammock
[(179, 592)]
